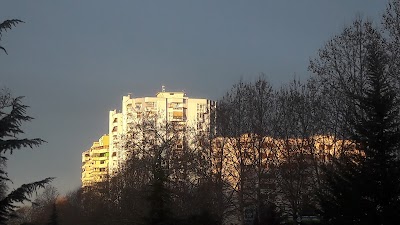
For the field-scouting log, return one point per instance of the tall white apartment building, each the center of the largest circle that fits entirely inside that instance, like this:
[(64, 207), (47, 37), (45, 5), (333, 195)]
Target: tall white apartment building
[(168, 106)]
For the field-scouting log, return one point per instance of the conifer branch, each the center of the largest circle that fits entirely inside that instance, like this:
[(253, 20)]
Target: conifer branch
[(19, 195)]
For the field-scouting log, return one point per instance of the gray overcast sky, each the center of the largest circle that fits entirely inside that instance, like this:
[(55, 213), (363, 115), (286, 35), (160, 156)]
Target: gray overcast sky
[(73, 60)]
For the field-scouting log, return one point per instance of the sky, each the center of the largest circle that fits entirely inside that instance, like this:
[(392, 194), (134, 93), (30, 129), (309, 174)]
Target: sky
[(74, 60)]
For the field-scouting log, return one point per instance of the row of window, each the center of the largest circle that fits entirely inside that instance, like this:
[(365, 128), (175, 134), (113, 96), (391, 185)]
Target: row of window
[(96, 169)]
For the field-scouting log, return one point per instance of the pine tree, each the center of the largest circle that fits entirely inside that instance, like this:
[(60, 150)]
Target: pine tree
[(12, 115), (365, 188), (7, 25), (379, 136), (340, 198)]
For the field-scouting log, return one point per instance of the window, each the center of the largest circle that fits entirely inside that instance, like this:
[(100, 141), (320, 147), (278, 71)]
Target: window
[(200, 116), (177, 115), (150, 104), (175, 105), (201, 108), (114, 154), (102, 169), (102, 161)]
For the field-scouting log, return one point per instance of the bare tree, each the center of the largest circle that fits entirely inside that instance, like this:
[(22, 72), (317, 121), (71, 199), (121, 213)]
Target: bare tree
[(261, 116), (295, 130), (391, 28), (167, 171), (233, 122), (245, 122), (43, 204), (340, 73)]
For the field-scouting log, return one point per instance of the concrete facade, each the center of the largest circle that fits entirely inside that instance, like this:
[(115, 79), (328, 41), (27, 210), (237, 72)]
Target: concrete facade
[(166, 107), (95, 162), (108, 155)]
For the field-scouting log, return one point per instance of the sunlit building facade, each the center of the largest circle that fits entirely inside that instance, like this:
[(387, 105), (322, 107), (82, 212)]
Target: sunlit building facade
[(228, 152), (95, 162), (107, 156), (250, 161), (169, 107)]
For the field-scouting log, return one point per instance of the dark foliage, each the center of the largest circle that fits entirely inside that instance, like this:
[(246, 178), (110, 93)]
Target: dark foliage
[(7, 25), (159, 197), (203, 218), (54, 216), (12, 115), (364, 189), (269, 215), (10, 128)]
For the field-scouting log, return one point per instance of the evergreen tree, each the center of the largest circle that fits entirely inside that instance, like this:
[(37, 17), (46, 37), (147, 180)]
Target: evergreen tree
[(12, 115), (7, 25), (379, 136), (365, 188), (339, 197)]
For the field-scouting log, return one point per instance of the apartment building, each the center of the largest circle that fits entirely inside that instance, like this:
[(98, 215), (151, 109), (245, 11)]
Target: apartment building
[(250, 162), (95, 162), (109, 154), (250, 149), (165, 107)]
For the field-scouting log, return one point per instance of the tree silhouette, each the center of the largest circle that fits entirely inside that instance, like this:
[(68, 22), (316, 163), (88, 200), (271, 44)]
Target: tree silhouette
[(7, 25), (54, 215), (10, 128), (364, 188), (160, 196), (12, 115)]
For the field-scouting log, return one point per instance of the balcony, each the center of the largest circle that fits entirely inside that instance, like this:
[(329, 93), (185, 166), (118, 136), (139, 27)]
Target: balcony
[(103, 147), (115, 129), (105, 165), (103, 158)]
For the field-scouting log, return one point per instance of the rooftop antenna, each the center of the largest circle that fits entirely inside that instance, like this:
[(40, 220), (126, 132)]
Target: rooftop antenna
[(163, 88)]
